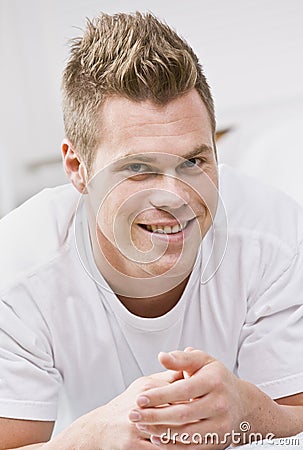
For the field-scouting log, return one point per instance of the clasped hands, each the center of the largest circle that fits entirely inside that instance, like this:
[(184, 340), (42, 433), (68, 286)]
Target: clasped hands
[(204, 397)]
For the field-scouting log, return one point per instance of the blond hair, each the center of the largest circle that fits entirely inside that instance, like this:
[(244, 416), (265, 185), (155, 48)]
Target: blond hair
[(131, 55)]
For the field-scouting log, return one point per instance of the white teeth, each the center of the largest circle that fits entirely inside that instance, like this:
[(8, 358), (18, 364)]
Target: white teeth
[(175, 229), (166, 229)]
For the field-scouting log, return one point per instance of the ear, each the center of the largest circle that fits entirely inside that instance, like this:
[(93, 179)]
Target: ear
[(74, 167)]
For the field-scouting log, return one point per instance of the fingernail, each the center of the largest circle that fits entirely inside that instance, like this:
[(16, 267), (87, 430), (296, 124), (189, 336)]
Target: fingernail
[(142, 400), (135, 416), (155, 440), (172, 356), (141, 427)]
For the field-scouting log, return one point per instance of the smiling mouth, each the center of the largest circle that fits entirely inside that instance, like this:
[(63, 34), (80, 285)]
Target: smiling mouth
[(165, 229)]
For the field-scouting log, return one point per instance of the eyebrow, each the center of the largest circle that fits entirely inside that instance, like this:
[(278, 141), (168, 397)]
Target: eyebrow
[(201, 149)]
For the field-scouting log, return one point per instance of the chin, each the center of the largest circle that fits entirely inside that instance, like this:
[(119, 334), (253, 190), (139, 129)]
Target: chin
[(171, 267)]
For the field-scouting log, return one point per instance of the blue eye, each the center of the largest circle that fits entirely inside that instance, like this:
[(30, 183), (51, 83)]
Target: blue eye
[(138, 168), (192, 162)]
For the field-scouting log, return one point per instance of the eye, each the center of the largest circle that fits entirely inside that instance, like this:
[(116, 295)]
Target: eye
[(192, 163), (138, 171), (138, 168)]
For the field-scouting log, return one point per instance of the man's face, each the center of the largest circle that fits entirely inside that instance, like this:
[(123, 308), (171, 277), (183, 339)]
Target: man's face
[(153, 192)]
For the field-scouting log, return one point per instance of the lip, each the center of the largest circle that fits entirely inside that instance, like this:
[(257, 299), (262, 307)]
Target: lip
[(171, 238), (169, 223)]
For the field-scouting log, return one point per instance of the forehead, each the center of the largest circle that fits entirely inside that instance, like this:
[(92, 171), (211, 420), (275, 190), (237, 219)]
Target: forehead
[(128, 127)]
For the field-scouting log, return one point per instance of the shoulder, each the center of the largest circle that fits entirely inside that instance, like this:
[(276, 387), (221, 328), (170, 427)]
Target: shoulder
[(35, 232), (258, 211)]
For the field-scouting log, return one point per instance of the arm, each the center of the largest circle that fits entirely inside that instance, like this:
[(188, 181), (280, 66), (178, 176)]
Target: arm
[(107, 425), (29, 447), (16, 433), (292, 400), (210, 399)]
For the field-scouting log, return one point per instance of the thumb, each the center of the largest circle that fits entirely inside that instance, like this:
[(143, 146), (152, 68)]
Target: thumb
[(189, 361)]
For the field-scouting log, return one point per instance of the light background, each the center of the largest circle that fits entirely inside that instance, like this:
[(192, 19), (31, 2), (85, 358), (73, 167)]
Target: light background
[(252, 53)]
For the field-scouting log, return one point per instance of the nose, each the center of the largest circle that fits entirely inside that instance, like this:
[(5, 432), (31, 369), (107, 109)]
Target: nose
[(170, 193)]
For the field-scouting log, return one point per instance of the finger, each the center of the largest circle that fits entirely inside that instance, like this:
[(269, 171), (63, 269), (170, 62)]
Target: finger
[(189, 349), (167, 446), (198, 433), (142, 440), (180, 391), (176, 414), (145, 445), (189, 361), (169, 376), (165, 433), (210, 406), (185, 440), (142, 433)]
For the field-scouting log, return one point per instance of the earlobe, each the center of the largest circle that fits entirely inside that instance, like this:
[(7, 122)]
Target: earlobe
[(83, 176), (74, 167)]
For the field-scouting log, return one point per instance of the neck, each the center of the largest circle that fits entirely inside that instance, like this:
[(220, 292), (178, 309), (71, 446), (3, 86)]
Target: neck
[(151, 307)]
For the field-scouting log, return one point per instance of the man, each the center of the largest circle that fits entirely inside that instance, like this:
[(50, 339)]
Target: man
[(97, 281)]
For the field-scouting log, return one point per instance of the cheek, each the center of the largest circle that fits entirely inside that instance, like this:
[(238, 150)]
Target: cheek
[(207, 192), (106, 213), (118, 210)]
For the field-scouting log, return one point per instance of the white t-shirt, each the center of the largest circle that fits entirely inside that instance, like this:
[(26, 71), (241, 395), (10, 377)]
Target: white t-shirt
[(67, 345)]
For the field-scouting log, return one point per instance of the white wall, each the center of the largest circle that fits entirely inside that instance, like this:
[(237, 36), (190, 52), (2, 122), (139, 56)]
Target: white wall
[(251, 51)]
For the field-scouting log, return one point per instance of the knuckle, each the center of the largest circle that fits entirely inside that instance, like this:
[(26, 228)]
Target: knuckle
[(216, 381), (187, 390), (218, 377), (221, 371), (147, 383), (149, 419), (221, 405), (184, 413)]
